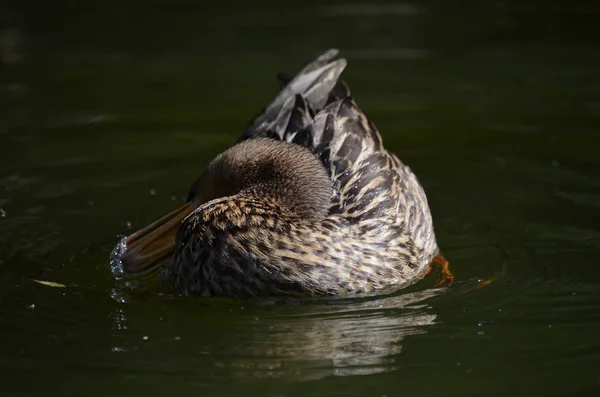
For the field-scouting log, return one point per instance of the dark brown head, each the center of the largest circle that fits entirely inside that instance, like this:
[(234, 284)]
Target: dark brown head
[(260, 168)]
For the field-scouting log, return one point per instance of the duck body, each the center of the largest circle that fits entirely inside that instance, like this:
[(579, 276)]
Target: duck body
[(307, 203)]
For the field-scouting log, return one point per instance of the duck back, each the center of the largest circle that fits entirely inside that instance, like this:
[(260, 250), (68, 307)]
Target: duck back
[(371, 186)]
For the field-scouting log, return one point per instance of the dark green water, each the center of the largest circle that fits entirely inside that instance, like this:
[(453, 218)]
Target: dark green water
[(108, 112)]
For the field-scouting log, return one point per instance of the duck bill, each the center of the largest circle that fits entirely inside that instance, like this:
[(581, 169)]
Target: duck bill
[(151, 247)]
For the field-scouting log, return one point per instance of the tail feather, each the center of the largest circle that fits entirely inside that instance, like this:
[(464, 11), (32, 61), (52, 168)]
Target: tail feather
[(301, 117), (314, 83)]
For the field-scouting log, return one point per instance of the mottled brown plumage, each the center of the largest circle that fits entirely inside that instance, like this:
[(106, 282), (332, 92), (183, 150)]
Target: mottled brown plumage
[(308, 202)]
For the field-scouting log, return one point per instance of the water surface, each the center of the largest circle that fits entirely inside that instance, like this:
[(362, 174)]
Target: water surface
[(108, 112)]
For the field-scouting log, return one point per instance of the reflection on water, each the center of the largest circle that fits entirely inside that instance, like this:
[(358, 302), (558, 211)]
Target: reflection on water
[(341, 340), (300, 341)]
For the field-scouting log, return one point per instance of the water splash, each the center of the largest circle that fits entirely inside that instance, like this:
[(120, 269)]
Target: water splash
[(120, 291), (116, 265), (120, 321), (118, 294)]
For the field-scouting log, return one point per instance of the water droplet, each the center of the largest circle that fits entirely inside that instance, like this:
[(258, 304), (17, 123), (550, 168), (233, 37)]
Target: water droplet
[(128, 224), (177, 338), (32, 306), (480, 332), (2, 213), (119, 320), (118, 296), (145, 337), (91, 202), (173, 198), (118, 349), (153, 191)]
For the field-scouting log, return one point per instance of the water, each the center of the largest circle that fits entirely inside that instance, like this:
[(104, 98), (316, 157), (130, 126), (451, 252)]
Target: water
[(108, 112)]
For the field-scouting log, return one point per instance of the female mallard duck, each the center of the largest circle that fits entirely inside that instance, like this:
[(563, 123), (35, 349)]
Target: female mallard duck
[(308, 202)]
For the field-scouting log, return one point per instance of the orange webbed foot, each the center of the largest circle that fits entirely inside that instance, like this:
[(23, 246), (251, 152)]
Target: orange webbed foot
[(447, 276)]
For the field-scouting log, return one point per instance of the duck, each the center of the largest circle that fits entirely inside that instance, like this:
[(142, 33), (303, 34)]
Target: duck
[(307, 202)]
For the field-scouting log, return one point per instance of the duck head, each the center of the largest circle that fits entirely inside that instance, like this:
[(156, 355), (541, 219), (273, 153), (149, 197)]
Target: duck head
[(262, 168)]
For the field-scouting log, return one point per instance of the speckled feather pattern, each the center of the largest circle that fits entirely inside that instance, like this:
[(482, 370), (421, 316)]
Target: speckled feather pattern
[(375, 231)]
